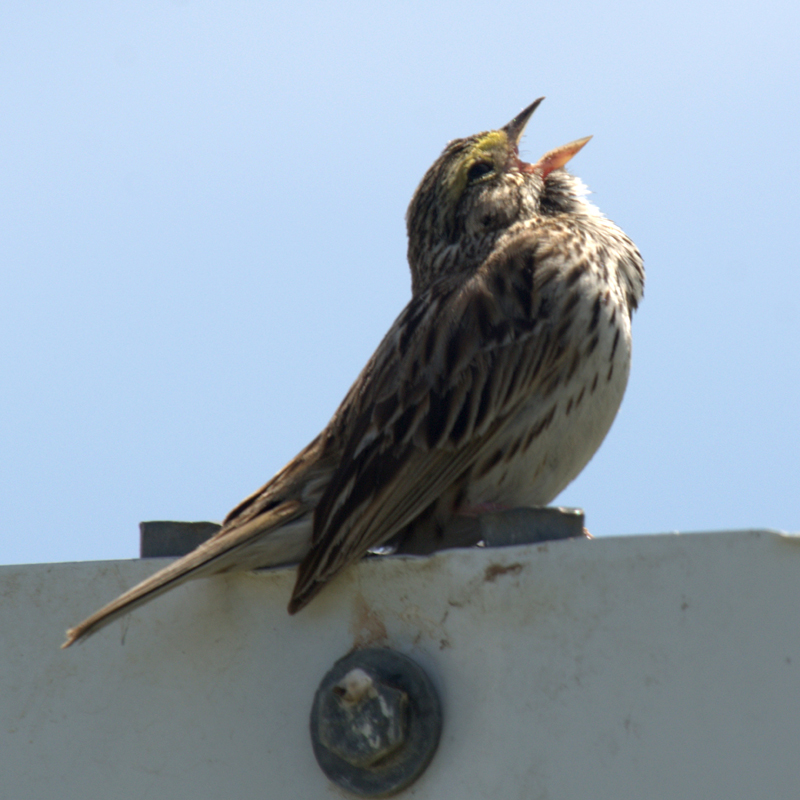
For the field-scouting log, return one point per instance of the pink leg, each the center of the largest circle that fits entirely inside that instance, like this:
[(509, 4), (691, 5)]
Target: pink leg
[(480, 508)]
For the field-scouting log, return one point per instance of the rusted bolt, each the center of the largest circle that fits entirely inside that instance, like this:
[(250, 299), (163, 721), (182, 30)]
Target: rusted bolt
[(375, 722)]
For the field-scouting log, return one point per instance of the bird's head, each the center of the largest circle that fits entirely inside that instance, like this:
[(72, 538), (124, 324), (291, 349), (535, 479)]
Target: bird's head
[(478, 188)]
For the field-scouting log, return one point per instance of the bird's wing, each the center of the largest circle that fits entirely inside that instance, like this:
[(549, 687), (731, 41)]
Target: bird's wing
[(448, 376)]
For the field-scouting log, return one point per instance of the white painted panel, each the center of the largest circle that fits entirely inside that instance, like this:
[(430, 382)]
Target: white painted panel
[(640, 667)]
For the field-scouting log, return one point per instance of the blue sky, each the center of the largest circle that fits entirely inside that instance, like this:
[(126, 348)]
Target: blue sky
[(202, 237)]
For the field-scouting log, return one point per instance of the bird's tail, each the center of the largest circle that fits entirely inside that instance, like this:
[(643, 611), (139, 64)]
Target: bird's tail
[(282, 535)]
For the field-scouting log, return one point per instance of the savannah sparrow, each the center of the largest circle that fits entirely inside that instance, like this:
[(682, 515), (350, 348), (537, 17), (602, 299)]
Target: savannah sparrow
[(493, 388)]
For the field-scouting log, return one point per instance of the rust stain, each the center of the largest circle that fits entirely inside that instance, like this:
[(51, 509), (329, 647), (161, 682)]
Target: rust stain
[(366, 626), (493, 571)]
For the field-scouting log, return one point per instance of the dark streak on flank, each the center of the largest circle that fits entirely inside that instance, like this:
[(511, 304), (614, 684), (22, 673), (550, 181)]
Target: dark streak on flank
[(561, 333), (572, 301), (574, 275), (537, 429), (614, 346), (544, 346), (546, 277), (540, 426), (512, 451), (574, 364), (512, 384), (551, 386), (483, 406), (595, 314), (489, 465), (594, 384), (528, 440)]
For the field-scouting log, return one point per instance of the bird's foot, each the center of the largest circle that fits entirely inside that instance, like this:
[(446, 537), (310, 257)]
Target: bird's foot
[(481, 508)]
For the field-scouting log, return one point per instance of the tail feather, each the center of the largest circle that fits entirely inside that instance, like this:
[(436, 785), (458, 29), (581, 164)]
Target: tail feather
[(280, 536)]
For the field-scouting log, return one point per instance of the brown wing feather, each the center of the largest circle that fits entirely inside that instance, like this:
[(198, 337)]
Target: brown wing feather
[(219, 553), (256, 533), (431, 402)]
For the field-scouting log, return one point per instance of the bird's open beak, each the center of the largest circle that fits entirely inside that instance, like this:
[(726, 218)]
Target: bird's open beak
[(555, 158), (549, 161), (517, 125)]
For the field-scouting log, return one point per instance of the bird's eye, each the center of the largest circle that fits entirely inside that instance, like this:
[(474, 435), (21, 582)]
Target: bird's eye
[(478, 170)]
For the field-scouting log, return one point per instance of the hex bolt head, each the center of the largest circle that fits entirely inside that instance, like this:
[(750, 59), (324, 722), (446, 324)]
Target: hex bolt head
[(361, 719), (375, 722)]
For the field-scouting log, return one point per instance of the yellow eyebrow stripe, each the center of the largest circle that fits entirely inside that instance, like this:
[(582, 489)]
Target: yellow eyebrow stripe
[(492, 146)]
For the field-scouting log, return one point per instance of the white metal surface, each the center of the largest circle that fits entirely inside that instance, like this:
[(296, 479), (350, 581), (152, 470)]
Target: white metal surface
[(641, 667)]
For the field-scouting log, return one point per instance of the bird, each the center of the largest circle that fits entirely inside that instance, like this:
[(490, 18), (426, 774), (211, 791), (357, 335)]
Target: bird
[(493, 388)]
